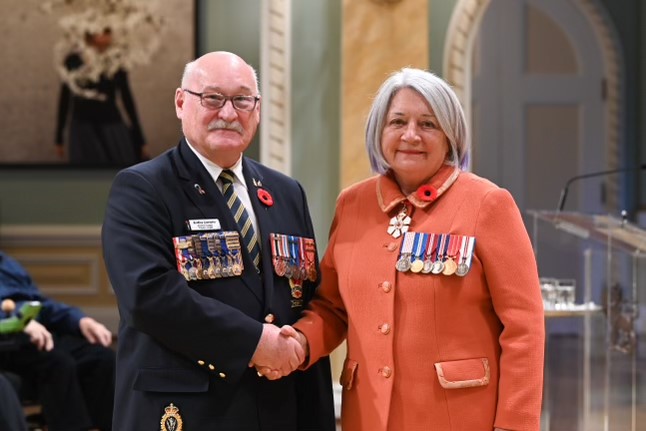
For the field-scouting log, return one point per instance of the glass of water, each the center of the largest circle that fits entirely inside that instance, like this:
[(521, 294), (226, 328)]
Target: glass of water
[(549, 292), (565, 293)]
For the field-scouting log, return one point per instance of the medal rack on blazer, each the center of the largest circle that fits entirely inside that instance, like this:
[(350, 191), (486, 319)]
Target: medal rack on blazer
[(431, 253), (209, 255), (294, 257), (217, 254)]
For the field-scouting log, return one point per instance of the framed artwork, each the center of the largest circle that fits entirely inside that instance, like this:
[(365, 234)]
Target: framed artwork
[(91, 83)]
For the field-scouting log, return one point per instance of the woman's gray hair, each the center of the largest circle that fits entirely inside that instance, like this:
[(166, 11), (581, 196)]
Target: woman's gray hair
[(442, 100)]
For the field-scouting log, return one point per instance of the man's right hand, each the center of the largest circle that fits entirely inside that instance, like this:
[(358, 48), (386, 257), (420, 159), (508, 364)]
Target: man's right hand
[(286, 331), (39, 335), (277, 351)]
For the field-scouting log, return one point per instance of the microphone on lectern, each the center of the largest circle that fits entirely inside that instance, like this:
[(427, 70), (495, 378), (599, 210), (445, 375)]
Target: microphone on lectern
[(590, 175)]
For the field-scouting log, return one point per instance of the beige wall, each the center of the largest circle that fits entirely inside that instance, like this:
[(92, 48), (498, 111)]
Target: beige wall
[(379, 36)]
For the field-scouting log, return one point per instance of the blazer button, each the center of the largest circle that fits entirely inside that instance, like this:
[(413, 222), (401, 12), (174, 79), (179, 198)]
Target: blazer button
[(386, 372), (386, 286), (222, 375), (200, 362), (385, 328), (269, 318), (211, 367)]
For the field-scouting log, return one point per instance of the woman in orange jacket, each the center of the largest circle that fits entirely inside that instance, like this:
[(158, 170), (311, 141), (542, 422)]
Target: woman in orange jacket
[(430, 275)]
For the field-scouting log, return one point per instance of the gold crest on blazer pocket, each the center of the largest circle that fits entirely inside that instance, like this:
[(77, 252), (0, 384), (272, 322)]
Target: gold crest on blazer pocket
[(463, 373), (348, 373)]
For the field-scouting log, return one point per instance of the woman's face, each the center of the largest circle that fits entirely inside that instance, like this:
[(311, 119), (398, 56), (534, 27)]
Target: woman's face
[(412, 142)]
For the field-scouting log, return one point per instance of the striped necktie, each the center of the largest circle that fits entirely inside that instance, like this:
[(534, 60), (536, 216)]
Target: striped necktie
[(241, 217)]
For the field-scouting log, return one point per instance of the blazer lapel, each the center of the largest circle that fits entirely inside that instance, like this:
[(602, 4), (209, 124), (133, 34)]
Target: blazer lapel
[(197, 183)]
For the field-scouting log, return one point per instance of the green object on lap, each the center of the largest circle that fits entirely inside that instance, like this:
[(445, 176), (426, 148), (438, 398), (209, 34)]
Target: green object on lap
[(20, 319)]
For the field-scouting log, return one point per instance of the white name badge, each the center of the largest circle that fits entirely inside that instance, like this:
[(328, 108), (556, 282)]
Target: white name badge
[(204, 224)]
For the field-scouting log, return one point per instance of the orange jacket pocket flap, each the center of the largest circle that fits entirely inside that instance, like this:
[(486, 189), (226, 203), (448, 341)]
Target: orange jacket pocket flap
[(464, 373), (347, 375)]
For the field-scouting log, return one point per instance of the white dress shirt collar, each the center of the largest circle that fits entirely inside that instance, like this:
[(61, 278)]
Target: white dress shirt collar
[(214, 170)]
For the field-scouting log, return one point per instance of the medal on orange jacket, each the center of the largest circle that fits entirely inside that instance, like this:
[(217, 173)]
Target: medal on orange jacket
[(399, 223)]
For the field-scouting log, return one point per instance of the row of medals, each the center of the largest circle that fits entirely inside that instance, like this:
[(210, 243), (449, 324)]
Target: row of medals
[(442, 264), (293, 257), (209, 255)]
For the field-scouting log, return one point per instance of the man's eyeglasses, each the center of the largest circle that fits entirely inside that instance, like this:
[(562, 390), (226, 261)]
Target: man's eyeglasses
[(217, 100)]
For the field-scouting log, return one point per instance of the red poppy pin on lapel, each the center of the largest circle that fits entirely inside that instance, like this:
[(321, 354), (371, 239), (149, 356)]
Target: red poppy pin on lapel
[(265, 197)]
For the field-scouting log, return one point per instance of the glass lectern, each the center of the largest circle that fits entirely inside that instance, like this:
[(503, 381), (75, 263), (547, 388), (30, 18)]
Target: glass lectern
[(592, 272)]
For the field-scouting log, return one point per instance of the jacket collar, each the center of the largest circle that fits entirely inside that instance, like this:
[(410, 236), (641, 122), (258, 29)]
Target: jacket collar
[(390, 195)]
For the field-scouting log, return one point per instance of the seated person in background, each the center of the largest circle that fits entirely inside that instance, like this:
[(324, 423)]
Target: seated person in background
[(11, 414), (68, 359)]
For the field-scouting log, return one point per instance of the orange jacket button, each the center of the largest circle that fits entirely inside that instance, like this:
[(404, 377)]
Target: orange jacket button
[(386, 372), (385, 328)]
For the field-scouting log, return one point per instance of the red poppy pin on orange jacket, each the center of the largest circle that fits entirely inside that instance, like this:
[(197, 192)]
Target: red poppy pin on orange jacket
[(427, 193)]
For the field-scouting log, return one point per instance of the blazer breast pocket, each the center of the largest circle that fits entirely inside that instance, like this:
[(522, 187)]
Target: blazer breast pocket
[(463, 373), (171, 380)]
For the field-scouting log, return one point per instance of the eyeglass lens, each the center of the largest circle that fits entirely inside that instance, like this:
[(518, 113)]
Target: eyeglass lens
[(217, 101)]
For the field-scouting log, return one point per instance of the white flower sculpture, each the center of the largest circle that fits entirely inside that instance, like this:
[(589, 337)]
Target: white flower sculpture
[(135, 29)]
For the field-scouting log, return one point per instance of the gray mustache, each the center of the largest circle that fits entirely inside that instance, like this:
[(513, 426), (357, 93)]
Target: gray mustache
[(221, 124)]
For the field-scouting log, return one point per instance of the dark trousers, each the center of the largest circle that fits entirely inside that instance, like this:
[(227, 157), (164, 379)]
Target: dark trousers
[(11, 415), (74, 381)]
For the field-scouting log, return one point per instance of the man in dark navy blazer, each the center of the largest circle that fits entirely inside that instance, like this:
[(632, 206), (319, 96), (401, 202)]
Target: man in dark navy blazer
[(191, 331)]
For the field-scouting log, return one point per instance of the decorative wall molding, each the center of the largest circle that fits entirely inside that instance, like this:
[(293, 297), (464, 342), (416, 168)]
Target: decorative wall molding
[(275, 82), (62, 273), (611, 49), (65, 262), (31, 235)]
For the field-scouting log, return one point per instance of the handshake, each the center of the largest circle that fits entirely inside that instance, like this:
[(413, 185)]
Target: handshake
[(279, 352)]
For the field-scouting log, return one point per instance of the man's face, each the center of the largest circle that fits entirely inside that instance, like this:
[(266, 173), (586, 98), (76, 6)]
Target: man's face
[(219, 134)]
